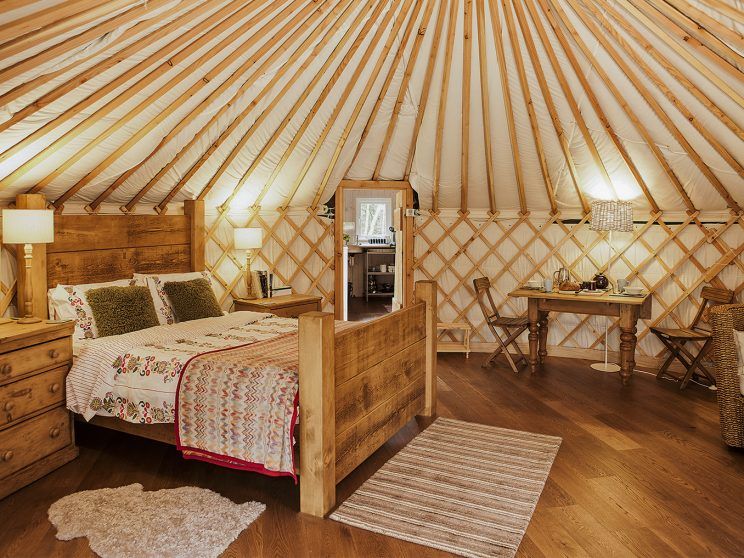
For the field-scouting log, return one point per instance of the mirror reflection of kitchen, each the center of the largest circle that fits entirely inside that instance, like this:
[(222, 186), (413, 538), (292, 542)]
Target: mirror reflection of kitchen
[(373, 276)]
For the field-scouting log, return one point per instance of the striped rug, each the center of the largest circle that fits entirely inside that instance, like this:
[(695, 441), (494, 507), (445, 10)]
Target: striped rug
[(462, 487)]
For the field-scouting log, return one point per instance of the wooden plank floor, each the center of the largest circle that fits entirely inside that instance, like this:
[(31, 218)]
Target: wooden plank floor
[(641, 472)]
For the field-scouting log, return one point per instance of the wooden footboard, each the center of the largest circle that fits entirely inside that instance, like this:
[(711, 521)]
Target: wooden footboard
[(359, 388)]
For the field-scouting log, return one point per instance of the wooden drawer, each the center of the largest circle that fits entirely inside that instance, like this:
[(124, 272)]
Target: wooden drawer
[(295, 311), (36, 357), (24, 397), (33, 440)]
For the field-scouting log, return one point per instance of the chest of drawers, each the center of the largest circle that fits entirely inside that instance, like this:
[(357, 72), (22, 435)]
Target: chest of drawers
[(36, 430)]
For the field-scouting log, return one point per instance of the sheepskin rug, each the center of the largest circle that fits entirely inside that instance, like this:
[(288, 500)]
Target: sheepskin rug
[(128, 521)]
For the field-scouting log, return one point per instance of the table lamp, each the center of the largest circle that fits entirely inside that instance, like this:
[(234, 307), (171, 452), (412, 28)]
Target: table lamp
[(28, 227), (248, 239), (610, 215)]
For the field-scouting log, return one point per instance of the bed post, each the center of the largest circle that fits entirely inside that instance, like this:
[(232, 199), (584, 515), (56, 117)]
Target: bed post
[(426, 291), (317, 413)]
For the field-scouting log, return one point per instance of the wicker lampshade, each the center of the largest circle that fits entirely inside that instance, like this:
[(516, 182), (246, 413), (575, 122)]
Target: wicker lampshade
[(612, 215)]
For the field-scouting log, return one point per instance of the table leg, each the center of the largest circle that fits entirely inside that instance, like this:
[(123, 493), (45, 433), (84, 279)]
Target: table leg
[(533, 315), (543, 352), (628, 340)]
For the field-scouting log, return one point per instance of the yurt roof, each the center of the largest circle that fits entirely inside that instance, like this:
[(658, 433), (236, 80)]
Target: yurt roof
[(518, 105)]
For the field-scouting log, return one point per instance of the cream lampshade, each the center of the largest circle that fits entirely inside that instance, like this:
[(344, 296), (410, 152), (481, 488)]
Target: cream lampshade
[(248, 239), (28, 227), (610, 215)]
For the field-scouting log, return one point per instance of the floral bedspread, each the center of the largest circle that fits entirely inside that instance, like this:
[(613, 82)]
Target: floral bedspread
[(134, 377)]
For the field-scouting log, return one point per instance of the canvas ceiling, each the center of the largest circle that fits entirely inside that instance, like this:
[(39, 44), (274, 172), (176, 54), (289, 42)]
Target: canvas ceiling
[(134, 104)]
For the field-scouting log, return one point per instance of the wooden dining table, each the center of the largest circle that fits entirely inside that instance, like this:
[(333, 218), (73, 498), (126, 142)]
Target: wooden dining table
[(628, 308)]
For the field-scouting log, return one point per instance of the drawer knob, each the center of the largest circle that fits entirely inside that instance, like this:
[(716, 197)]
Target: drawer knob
[(53, 353), (54, 388), (8, 406), (53, 432), (7, 456), (6, 369)]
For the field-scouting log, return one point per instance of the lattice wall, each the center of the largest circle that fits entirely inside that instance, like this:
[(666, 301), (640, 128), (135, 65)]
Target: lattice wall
[(672, 261), (298, 250)]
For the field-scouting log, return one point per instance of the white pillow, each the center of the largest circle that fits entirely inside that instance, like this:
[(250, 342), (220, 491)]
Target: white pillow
[(739, 337), (68, 302), (163, 305)]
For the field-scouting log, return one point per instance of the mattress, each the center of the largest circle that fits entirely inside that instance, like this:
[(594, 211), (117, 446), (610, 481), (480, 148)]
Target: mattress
[(134, 376)]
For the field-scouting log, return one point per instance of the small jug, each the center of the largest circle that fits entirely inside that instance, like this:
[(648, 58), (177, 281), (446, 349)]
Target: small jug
[(561, 276)]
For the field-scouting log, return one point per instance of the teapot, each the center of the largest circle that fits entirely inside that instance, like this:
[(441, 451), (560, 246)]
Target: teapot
[(602, 281), (561, 276)]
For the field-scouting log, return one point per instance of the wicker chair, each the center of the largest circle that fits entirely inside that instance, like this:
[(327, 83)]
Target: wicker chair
[(725, 319)]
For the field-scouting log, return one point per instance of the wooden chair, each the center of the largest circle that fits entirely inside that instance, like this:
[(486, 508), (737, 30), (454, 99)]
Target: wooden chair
[(676, 339), (512, 327)]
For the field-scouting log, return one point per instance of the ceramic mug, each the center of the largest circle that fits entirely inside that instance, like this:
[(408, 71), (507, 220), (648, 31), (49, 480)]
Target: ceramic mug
[(548, 285)]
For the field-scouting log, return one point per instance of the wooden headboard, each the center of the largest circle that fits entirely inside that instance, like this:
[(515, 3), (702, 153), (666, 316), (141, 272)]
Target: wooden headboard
[(97, 248)]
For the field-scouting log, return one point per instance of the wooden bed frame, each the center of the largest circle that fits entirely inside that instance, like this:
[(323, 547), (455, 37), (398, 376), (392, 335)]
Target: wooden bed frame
[(357, 388)]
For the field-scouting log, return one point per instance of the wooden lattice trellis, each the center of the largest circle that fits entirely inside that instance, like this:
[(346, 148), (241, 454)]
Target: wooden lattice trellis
[(672, 261), (298, 250)]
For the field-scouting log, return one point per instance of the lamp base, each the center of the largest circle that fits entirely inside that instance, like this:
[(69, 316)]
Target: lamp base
[(602, 367), (28, 320)]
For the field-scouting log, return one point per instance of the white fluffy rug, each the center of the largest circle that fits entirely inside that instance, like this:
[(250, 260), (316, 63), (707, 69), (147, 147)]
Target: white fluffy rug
[(127, 521)]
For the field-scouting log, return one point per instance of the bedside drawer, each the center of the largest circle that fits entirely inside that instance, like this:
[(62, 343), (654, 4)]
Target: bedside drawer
[(34, 439), (295, 311), (36, 357), (24, 397)]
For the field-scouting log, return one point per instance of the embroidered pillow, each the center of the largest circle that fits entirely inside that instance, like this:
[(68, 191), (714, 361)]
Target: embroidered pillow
[(192, 300), (160, 298), (118, 310), (70, 303)]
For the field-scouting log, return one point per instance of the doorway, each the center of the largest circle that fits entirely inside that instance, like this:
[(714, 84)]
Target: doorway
[(373, 248)]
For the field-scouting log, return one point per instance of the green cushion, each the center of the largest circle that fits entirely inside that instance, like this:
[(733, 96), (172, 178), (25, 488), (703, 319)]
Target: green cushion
[(118, 310), (192, 300)]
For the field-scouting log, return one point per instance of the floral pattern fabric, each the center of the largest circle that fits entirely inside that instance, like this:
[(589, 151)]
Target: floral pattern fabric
[(134, 376)]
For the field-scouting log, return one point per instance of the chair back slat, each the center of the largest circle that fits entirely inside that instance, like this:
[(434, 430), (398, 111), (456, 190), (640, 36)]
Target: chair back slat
[(482, 291), (711, 296)]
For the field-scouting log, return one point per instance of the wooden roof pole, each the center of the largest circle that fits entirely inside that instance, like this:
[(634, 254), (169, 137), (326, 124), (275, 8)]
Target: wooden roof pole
[(698, 32), (620, 99), (519, 62), (658, 110), (190, 92), (299, 51), (219, 20), (443, 103), (640, 38), (683, 37), (392, 123), (116, 58), (504, 77), (684, 52), (550, 104), (293, 111), (52, 52), (292, 31), (726, 9), (407, 34), (329, 86), (689, 116), (715, 28), (467, 66), (21, 38), (485, 103), (38, 19), (424, 95), (360, 104)]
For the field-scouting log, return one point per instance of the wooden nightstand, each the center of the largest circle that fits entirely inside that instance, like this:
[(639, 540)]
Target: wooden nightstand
[(36, 432), (286, 306)]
